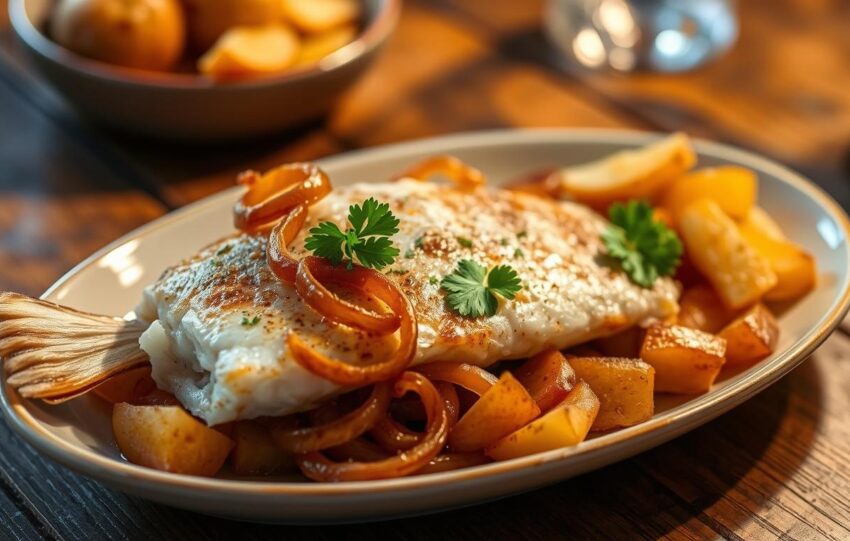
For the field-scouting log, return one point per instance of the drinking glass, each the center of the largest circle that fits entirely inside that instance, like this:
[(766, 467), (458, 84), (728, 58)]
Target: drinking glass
[(624, 35)]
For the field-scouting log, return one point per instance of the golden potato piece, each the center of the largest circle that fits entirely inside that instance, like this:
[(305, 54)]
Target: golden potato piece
[(733, 188), (686, 361), (623, 344), (254, 452), (795, 268), (208, 20), (501, 410), (167, 438), (318, 46), (701, 308), (143, 34), (314, 16), (565, 425), (758, 220), (250, 51), (751, 337), (127, 387), (624, 387), (739, 274), (630, 174)]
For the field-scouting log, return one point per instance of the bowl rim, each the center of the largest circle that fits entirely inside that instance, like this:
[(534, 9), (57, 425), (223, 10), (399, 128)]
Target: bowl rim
[(371, 37), (676, 421)]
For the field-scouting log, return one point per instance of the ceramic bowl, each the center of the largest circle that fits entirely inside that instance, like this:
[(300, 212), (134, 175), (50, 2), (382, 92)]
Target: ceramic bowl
[(183, 106), (78, 433)]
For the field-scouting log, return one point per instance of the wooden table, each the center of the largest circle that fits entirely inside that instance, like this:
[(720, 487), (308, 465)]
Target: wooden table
[(778, 466)]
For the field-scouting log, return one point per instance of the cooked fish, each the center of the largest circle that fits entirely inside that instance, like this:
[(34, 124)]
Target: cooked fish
[(219, 319)]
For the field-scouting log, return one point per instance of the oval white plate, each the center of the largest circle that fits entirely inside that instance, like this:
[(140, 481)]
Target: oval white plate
[(78, 434)]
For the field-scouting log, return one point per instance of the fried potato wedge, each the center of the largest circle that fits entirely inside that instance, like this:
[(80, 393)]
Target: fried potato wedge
[(733, 188), (758, 220), (623, 344), (313, 16), (795, 269), (630, 174), (501, 410), (167, 438), (624, 387), (751, 337), (738, 272), (565, 425), (208, 20), (702, 308), (686, 361), (254, 452), (316, 47), (127, 387), (245, 52), (548, 377)]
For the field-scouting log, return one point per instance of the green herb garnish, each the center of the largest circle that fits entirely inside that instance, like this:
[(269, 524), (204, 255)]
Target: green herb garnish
[(409, 253), (518, 253), (465, 242), (433, 280), (471, 290), (645, 248), (250, 322), (367, 240), (224, 249)]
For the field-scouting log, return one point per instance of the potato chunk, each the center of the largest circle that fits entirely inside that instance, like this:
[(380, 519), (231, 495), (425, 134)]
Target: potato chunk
[(630, 174), (127, 387), (208, 20), (245, 52), (733, 188), (760, 221), (167, 438), (701, 308), (565, 425), (314, 16), (739, 274), (254, 452), (794, 267), (751, 337), (501, 410), (314, 48), (623, 344), (686, 361), (548, 377), (624, 388)]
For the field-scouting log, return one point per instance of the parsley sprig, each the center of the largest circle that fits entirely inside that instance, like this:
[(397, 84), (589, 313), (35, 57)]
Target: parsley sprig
[(645, 248), (471, 290), (367, 240)]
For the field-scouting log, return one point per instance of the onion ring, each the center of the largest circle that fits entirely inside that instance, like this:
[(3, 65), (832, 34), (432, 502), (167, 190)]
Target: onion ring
[(462, 174), (452, 400), (342, 430), (312, 271), (394, 436), (277, 192), (279, 259), (319, 468), (470, 377), (350, 375), (453, 461)]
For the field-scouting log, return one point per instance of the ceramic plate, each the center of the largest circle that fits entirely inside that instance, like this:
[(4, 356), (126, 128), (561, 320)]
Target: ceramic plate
[(78, 434)]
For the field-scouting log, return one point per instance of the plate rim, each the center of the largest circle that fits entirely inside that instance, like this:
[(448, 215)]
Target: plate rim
[(690, 414)]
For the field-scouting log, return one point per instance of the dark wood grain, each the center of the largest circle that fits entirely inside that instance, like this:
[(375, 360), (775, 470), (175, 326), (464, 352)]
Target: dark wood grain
[(776, 467)]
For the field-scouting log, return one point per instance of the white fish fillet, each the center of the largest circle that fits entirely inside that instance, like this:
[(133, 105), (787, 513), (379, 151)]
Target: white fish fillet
[(204, 349)]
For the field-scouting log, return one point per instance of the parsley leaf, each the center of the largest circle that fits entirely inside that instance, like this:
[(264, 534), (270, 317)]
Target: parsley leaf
[(367, 240), (470, 296), (645, 248), (250, 322)]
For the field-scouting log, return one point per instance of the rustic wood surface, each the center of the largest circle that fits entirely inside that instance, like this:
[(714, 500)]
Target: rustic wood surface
[(776, 467)]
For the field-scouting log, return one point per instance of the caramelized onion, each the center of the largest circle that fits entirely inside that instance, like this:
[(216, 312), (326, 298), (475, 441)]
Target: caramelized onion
[(452, 400), (394, 436), (344, 429), (313, 271), (465, 375), (465, 176), (351, 375), (453, 461), (277, 192), (280, 260), (358, 449), (319, 468)]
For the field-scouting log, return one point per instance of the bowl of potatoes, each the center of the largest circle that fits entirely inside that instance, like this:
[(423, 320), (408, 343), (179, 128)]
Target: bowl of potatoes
[(202, 70)]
